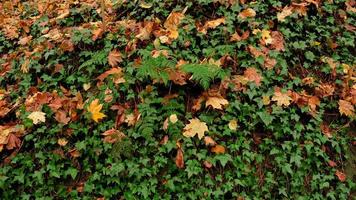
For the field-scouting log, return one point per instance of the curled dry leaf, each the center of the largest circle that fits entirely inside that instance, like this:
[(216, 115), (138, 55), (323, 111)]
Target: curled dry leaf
[(145, 32), (9, 136), (211, 25), (313, 101), (325, 129), (218, 149), (61, 117), (114, 58), (117, 75), (165, 124), (112, 136), (340, 175), (277, 42), (164, 140), (209, 141), (195, 127), (287, 11), (249, 12), (180, 158), (332, 163), (178, 77)]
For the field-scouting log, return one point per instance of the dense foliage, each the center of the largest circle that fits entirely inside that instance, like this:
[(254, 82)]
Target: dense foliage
[(204, 99)]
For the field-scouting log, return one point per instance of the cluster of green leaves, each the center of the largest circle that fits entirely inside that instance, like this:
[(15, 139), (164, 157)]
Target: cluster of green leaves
[(275, 153)]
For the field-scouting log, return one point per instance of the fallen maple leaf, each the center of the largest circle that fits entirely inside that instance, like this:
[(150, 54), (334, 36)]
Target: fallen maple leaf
[(37, 117), (62, 142), (313, 102), (281, 98), (13, 142), (211, 24), (112, 135), (325, 129), (95, 108), (195, 127), (61, 116), (216, 102), (346, 108), (214, 23), (145, 32), (252, 75), (249, 12), (218, 149), (114, 58), (277, 41), (285, 13)]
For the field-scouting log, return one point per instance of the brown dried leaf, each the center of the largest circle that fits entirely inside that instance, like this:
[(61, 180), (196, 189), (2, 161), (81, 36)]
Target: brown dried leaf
[(114, 58), (209, 141), (340, 175), (346, 108), (180, 158), (277, 41), (61, 117), (287, 11), (252, 75), (13, 142)]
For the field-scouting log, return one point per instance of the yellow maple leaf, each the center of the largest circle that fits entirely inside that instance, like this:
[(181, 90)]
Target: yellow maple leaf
[(281, 98), (195, 127), (37, 117), (95, 108), (216, 102)]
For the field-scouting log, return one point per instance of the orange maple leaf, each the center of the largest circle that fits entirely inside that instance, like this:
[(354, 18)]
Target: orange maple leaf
[(346, 108), (252, 75)]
